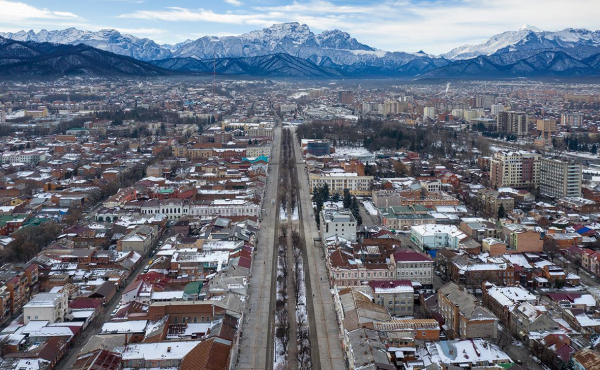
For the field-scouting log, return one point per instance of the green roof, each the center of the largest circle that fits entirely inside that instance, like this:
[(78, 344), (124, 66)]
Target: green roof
[(166, 191), (192, 288)]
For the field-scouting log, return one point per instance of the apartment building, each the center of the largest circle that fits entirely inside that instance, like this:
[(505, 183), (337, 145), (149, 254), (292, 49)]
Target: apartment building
[(559, 179), (413, 266), (395, 295), (338, 181), (490, 201), (464, 316), (518, 169), (571, 119), (512, 122), (429, 112), (346, 97)]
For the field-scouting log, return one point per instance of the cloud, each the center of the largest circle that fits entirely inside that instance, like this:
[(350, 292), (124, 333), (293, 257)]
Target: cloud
[(177, 14), (15, 12), (141, 31), (234, 2), (435, 26)]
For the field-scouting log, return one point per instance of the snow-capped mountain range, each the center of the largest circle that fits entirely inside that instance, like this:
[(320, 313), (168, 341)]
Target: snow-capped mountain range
[(576, 42), (337, 51)]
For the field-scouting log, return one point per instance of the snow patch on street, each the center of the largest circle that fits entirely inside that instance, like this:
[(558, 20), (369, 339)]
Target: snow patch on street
[(370, 208)]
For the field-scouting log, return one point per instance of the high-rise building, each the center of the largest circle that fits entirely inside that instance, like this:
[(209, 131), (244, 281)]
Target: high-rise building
[(512, 122), (496, 108), (429, 112), (571, 119), (470, 114), (519, 169), (559, 178), (346, 97), (394, 107)]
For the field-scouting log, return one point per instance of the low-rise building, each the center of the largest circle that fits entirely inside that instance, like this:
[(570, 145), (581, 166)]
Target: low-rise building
[(395, 295), (51, 307), (463, 314), (413, 266), (437, 236)]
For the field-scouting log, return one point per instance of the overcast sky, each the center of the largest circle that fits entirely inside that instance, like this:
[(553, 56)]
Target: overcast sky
[(434, 26)]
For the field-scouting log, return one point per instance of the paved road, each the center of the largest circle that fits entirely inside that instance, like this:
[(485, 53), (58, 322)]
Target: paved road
[(326, 349), (256, 346), (367, 219), (105, 316)]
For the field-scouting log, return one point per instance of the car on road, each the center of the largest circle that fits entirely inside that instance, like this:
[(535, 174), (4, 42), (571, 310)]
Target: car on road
[(438, 273)]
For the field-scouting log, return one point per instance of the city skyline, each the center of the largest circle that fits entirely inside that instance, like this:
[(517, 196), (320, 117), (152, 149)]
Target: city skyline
[(432, 26)]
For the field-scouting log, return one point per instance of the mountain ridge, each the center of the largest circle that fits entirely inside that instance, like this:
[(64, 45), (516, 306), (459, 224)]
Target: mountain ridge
[(293, 50), (26, 58)]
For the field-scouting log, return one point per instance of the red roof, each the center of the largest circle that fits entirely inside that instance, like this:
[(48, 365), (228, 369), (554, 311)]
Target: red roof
[(85, 303), (389, 284), (408, 255), (244, 262)]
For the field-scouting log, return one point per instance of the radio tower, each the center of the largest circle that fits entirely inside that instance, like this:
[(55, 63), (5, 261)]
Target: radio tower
[(214, 72)]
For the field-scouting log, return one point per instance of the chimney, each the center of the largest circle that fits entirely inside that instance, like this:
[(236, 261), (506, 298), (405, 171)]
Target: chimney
[(168, 349)]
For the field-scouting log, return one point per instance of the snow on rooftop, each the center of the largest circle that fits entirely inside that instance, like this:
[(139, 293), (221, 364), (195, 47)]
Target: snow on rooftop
[(158, 351)]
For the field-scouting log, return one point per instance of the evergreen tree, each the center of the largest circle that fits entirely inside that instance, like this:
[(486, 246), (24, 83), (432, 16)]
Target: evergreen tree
[(594, 149), (347, 198), (325, 194), (355, 209), (501, 211)]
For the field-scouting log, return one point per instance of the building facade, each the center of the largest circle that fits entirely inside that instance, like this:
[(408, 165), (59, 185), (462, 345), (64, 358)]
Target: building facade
[(559, 179), (512, 122), (519, 169)]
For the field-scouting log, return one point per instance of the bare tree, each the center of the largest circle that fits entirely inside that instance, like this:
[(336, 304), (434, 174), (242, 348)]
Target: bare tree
[(283, 327), (283, 230), (298, 276)]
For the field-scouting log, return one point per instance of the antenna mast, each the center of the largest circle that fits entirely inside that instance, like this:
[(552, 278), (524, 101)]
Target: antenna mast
[(214, 72)]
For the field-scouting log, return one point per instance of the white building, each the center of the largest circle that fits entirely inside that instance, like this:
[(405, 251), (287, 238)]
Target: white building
[(470, 114), (337, 181), (496, 108), (258, 151), (436, 236), (338, 223), (50, 307), (28, 156), (226, 208)]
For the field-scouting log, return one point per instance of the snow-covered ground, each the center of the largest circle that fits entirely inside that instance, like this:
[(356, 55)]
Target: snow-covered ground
[(370, 208), (302, 340), (345, 151), (295, 214), (282, 214)]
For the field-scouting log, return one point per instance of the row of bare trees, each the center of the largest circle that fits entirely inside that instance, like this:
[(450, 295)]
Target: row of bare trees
[(303, 334), (288, 176), (282, 320)]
